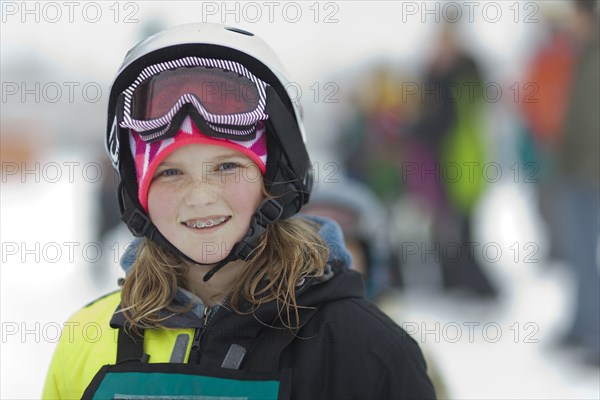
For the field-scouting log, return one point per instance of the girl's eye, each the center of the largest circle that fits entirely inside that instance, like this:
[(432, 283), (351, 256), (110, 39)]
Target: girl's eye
[(228, 166), (169, 172)]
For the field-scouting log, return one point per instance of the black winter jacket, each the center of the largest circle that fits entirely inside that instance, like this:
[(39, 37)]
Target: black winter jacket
[(346, 348)]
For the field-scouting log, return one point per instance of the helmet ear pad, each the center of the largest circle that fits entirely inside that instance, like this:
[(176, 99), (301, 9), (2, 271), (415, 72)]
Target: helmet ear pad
[(289, 184), (128, 175), (289, 177)]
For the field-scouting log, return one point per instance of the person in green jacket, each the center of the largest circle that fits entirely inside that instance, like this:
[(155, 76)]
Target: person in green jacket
[(227, 293)]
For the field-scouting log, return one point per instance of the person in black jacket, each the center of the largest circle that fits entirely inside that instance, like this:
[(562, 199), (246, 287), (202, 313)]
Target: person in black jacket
[(227, 293)]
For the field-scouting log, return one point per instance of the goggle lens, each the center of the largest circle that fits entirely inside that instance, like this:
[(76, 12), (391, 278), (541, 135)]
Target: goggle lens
[(220, 92), (220, 95)]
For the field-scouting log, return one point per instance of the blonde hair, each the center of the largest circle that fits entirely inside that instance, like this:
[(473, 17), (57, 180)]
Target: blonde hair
[(289, 251)]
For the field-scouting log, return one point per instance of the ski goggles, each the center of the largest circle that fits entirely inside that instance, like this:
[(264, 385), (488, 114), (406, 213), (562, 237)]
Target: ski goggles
[(220, 95)]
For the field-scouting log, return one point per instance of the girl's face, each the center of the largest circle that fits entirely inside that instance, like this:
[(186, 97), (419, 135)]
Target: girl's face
[(202, 198)]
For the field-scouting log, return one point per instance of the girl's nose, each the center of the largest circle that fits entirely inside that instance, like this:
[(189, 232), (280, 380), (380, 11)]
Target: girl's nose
[(201, 192)]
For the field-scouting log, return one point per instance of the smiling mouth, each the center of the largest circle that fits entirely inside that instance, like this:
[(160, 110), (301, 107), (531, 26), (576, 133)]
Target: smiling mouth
[(206, 223)]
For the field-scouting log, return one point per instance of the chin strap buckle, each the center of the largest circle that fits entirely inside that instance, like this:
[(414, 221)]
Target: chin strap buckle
[(268, 212), (137, 222)]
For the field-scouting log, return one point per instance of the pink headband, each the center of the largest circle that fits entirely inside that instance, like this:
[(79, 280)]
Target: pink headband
[(148, 156)]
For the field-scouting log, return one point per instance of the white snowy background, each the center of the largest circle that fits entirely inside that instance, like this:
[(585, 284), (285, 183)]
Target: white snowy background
[(50, 263)]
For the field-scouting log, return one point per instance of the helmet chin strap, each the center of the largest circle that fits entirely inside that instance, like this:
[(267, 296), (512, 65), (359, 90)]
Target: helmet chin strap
[(267, 212), (140, 225)]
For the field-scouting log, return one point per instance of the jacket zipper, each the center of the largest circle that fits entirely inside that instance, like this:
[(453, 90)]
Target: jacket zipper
[(195, 346), (198, 334), (208, 313), (207, 310)]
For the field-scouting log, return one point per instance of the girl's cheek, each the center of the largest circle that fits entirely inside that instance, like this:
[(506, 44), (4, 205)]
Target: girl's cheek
[(241, 178), (252, 175), (164, 192), (234, 191)]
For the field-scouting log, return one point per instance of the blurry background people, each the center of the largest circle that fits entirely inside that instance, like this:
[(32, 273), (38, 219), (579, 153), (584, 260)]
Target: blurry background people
[(579, 164), (374, 140), (449, 138), (547, 82), (373, 135), (363, 221), (411, 140)]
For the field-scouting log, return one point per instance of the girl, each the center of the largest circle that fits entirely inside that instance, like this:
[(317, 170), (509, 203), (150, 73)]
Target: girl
[(225, 295)]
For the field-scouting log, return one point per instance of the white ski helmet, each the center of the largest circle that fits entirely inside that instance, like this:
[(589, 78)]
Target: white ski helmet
[(288, 176)]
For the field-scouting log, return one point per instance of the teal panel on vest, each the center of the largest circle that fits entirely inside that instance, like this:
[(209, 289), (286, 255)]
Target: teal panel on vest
[(157, 385)]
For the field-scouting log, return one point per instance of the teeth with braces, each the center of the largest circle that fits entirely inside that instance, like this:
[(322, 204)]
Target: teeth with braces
[(206, 224)]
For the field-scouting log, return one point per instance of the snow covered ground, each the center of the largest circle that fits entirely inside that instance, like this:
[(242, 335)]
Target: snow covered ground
[(481, 351)]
